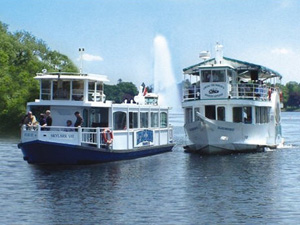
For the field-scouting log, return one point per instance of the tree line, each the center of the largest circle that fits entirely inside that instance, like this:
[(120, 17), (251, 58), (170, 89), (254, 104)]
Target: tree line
[(22, 55)]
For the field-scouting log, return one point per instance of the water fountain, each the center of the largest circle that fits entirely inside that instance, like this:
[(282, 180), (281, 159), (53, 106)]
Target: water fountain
[(165, 84)]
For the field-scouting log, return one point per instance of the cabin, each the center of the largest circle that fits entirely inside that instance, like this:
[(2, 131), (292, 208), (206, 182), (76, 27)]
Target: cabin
[(66, 93), (229, 90)]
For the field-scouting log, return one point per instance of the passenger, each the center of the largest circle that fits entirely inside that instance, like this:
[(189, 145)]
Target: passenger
[(30, 120), (43, 120), (69, 125), (79, 120), (48, 118)]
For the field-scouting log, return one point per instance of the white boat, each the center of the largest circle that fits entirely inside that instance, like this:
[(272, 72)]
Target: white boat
[(110, 131), (231, 106)]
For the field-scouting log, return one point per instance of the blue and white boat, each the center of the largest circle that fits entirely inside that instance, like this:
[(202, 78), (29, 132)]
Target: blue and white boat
[(231, 105), (110, 131)]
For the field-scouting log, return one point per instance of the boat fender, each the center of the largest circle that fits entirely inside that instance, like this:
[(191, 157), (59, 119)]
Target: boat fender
[(108, 136)]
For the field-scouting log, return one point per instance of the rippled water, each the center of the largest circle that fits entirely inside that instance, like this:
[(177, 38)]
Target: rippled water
[(171, 188)]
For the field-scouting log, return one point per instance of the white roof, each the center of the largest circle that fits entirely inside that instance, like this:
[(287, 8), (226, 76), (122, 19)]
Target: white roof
[(71, 76)]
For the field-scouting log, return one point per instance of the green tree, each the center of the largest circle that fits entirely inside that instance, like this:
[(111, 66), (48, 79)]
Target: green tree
[(118, 93), (21, 56)]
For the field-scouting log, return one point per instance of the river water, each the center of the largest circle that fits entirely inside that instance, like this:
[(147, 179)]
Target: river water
[(171, 188)]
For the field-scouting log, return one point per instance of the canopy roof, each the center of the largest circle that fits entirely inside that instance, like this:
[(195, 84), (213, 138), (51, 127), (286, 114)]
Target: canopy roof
[(242, 68), (71, 76)]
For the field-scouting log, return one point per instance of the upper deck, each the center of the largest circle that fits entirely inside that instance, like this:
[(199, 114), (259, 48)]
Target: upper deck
[(224, 78), (71, 87)]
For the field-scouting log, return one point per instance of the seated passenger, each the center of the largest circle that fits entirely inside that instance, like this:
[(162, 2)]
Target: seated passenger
[(30, 120)]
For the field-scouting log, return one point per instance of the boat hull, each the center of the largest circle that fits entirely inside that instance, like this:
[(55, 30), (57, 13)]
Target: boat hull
[(41, 152), (220, 137)]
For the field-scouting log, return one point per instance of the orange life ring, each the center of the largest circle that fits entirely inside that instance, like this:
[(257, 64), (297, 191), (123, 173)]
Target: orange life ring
[(269, 93), (107, 132)]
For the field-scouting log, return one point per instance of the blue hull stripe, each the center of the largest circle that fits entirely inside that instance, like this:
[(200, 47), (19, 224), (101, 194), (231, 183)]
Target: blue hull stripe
[(38, 152)]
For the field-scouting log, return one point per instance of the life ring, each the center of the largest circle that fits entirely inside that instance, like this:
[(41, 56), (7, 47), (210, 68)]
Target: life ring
[(280, 96), (269, 93), (108, 136)]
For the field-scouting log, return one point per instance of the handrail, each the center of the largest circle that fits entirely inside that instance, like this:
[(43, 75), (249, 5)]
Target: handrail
[(251, 91), (82, 135)]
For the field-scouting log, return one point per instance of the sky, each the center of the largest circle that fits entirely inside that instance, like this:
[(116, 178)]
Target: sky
[(118, 35)]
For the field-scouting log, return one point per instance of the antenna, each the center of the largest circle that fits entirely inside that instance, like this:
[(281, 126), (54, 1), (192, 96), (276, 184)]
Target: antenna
[(81, 50), (219, 53)]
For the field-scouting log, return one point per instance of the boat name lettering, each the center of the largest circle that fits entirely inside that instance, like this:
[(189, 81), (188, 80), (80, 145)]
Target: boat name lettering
[(214, 91), (29, 134), (62, 135), (193, 128), (226, 128)]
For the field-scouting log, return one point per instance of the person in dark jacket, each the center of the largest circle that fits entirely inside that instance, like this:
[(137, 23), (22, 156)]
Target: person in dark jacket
[(79, 120), (48, 118)]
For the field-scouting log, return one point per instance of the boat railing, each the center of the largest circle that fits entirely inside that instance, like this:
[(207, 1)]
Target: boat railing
[(253, 91), (191, 93), (97, 137)]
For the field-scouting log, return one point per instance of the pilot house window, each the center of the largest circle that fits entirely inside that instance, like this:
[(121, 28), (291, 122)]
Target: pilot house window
[(46, 89), (77, 90), (61, 90), (213, 76)]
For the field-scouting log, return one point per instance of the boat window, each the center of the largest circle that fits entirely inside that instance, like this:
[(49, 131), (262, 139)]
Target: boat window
[(151, 100), (206, 76), (119, 121), (257, 114), (154, 119), (46, 89), (61, 90), (163, 120), (144, 122), (218, 75), (91, 91), (237, 114), (85, 116), (99, 92), (221, 113), (77, 90), (262, 115), (196, 110), (133, 120), (210, 112), (247, 114)]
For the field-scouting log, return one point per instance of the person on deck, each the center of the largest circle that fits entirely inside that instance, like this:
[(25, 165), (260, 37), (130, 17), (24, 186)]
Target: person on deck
[(79, 120), (30, 120), (42, 119), (48, 118)]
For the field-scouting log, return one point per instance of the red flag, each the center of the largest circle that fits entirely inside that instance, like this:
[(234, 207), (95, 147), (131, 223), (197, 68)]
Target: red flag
[(145, 91)]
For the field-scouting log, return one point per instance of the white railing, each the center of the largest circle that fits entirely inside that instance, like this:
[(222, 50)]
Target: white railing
[(91, 136), (191, 93), (251, 91)]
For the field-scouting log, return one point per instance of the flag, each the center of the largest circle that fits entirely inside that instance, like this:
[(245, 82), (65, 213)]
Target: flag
[(145, 91)]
